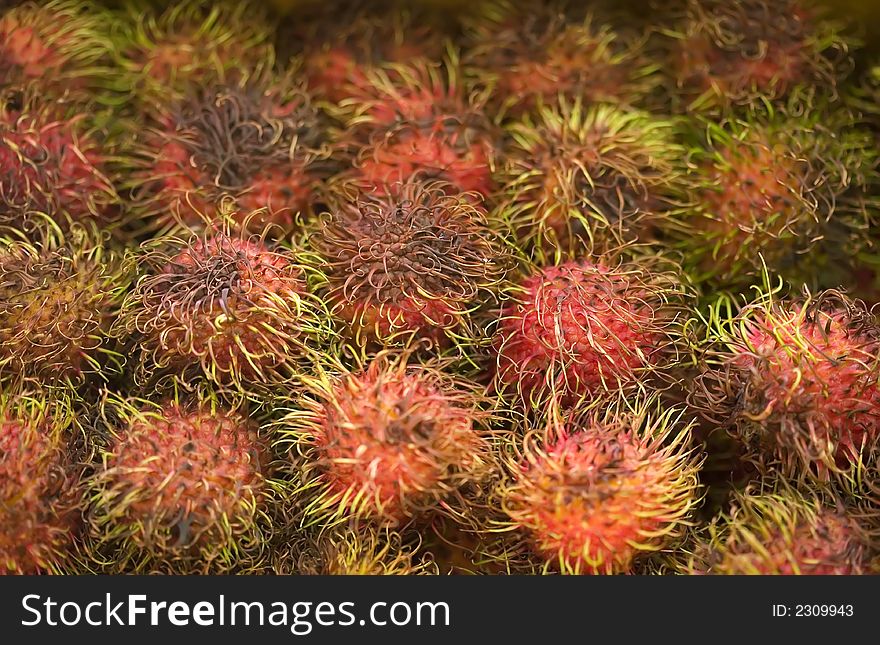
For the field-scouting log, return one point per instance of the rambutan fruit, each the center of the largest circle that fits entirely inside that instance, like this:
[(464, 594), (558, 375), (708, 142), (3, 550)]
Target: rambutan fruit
[(782, 533), (599, 490), (419, 118), (795, 380), (193, 43), (61, 46), (537, 52), (784, 189), (582, 178), (363, 550), (384, 443), (54, 165), (58, 299), (336, 55), (227, 307), (182, 488), (41, 496), (589, 328), (415, 263), (735, 53), (260, 143)]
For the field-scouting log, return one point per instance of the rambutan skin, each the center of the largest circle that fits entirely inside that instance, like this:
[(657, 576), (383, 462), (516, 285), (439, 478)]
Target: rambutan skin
[(41, 496), (795, 379), (53, 165), (385, 443), (598, 490), (730, 54), (359, 550), (164, 52), (260, 143), (579, 178), (63, 47), (182, 488), (781, 189), (531, 55), (58, 300), (782, 533), (227, 307), (414, 262), (587, 329)]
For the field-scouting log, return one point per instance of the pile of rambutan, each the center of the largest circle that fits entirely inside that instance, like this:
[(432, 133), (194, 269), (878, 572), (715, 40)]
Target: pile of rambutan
[(377, 288)]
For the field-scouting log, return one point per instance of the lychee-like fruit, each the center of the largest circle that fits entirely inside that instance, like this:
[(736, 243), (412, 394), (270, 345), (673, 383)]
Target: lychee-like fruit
[(417, 263), (597, 491), (227, 307), (782, 533), (419, 118), (734, 53), (797, 380), (58, 299), (53, 165), (784, 190), (181, 489), (385, 443), (590, 328), (336, 57), (579, 179), (530, 55), (166, 52), (63, 47), (260, 143), (40, 493), (363, 550)]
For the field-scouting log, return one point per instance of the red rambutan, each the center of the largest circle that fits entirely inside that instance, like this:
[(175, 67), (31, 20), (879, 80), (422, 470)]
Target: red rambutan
[(40, 494), (227, 307), (782, 533), (588, 328), (61, 46), (260, 143), (737, 52), (528, 55), (192, 43), (385, 443), (781, 189), (415, 263), (796, 380), (58, 299), (596, 492), (181, 489), (578, 178)]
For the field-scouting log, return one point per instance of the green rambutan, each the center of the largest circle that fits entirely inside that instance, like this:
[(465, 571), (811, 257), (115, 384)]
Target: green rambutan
[(599, 490), (259, 142), (61, 46), (796, 380), (180, 489), (415, 262), (188, 44), (784, 189), (58, 299), (53, 165), (227, 307), (582, 178), (782, 533), (40, 493), (735, 53), (530, 54), (589, 328), (385, 443)]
